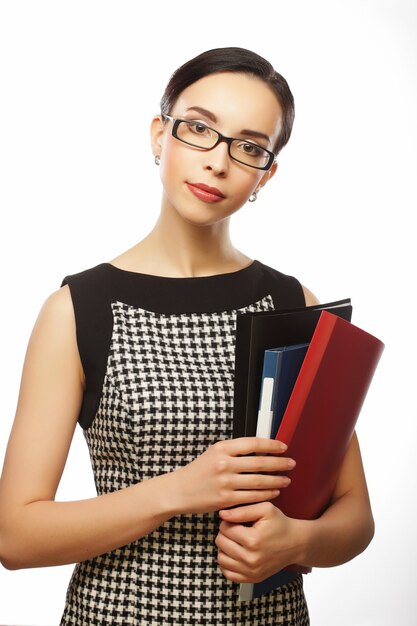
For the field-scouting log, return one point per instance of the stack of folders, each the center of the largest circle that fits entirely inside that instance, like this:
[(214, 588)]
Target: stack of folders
[(309, 371)]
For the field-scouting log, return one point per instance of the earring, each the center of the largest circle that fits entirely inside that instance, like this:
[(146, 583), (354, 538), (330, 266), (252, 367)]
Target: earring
[(157, 159), (253, 197)]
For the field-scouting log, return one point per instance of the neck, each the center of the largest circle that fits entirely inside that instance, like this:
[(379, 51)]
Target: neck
[(176, 247)]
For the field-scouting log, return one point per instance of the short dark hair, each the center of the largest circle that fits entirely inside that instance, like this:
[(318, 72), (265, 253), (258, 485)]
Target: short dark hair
[(233, 60)]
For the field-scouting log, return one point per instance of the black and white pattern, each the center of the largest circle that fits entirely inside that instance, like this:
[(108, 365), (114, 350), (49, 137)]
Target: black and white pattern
[(167, 396)]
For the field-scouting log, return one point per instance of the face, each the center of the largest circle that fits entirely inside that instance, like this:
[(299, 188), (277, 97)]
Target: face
[(237, 105)]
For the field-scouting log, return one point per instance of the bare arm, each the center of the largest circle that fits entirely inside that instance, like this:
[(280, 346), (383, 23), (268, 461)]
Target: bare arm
[(35, 530), (346, 528), (310, 298)]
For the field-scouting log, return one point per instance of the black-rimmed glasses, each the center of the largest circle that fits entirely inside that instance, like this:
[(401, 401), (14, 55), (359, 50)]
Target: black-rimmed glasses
[(199, 135)]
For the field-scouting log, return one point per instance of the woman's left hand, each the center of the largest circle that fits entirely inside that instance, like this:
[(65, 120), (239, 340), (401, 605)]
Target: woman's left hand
[(249, 554)]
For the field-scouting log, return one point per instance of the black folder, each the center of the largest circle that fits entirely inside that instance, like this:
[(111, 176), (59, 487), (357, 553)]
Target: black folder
[(257, 332)]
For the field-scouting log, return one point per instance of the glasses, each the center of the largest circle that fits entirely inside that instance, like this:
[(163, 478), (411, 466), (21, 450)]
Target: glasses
[(199, 135)]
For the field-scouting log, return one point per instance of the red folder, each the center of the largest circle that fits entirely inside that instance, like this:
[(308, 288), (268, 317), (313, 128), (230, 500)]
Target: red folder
[(322, 411)]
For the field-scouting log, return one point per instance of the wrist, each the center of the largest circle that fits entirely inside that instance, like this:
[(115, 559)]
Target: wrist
[(301, 541), (169, 499)]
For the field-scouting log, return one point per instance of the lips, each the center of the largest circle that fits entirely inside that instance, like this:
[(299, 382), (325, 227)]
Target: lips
[(206, 193)]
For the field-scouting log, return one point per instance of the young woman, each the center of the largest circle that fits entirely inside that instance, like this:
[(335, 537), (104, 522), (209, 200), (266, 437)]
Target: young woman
[(141, 352)]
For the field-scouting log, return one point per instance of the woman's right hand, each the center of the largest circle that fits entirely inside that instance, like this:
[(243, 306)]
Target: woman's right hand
[(230, 473)]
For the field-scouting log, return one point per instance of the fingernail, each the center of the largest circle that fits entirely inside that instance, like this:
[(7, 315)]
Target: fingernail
[(291, 463), (283, 446)]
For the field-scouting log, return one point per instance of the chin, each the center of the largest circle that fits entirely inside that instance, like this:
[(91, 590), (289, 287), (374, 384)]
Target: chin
[(205, 220), (206, 215)]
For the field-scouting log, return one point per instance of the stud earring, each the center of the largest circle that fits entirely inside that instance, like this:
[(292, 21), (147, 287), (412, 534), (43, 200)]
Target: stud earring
[(157, 159), (253, 197)]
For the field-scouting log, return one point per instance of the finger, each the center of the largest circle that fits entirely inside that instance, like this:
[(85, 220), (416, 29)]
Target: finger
[(235, 577), (234, 532), (233, 567), (260, 481), (230, 547), (249, 496), (243, 537), (259, 464), (254, 445)]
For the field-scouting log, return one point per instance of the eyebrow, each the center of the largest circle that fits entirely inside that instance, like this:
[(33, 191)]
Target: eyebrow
[(213, 118)]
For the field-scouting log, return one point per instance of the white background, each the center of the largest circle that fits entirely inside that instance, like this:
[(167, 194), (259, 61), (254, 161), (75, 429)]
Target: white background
[(79, 84)]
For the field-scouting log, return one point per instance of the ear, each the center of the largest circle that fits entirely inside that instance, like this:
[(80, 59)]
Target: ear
[(157, 131), (267, 176)]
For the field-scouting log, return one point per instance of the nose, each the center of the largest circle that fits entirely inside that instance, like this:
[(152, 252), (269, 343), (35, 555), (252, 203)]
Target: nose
[(217, 159)]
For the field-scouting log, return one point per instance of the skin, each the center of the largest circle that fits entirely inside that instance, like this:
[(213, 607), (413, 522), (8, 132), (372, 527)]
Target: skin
[(190, 238)]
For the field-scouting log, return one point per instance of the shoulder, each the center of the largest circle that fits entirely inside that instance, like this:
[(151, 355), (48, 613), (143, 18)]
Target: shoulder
[(90, 291), (92, 276), (57, 310), (68, 319), (310, 298), (53, 338), (286, 290)]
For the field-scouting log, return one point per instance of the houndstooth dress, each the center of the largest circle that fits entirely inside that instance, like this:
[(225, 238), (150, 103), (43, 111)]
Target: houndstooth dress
[(158, 356)]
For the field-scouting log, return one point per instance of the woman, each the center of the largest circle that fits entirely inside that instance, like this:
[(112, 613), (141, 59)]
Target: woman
[(141, 351)]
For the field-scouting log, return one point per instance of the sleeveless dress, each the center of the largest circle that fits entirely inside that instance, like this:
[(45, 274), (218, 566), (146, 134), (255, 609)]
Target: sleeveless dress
[(158, 356)]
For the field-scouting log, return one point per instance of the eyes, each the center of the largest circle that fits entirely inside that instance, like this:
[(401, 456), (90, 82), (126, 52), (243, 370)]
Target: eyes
[(251, 148), (202, 130)]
